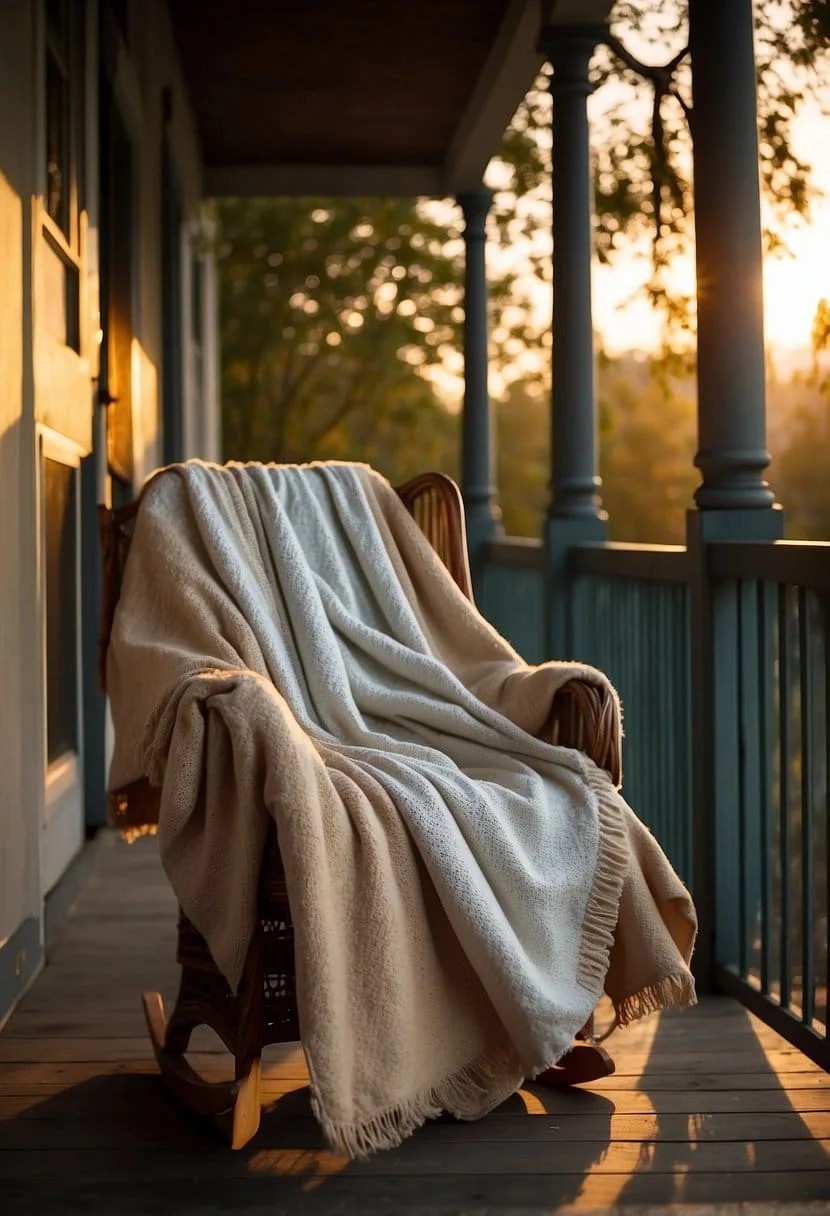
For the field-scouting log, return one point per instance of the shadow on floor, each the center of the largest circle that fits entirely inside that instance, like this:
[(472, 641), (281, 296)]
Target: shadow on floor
[(116, 1144), (739, 1137)]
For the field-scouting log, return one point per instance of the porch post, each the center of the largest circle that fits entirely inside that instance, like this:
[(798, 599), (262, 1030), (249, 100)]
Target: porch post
[(575, 514), (732, 453), (734, 502), (477, 458)]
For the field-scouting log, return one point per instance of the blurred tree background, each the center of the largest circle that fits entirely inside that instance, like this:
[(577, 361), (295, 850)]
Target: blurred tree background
[(341, 318), (329, 312)]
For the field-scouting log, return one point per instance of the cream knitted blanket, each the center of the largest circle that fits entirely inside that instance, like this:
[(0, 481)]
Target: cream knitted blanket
[(287, 644)]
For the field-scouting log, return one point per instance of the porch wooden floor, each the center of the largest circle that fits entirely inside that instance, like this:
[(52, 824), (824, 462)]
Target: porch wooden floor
[(706, 1108)]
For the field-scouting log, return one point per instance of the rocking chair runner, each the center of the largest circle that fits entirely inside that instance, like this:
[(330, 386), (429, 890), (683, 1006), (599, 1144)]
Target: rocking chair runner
[(265, 1009)]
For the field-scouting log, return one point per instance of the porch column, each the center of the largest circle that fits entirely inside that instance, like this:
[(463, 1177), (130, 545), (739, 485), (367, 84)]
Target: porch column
[(734, 502), (575, 515), (477, 458), (732, 454)]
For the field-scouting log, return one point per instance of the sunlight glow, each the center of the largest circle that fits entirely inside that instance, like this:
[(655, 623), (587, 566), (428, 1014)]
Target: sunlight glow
[(794, 286), (313, 1163), (600, 1190)]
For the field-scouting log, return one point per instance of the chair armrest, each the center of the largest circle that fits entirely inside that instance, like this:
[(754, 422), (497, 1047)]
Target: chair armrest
[(586, 718)]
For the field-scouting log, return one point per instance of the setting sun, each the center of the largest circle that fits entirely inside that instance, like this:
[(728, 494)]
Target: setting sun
[(793, 286)]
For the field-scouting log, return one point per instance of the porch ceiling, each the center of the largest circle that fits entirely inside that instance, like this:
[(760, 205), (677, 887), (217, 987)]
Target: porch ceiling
[(367, 96)]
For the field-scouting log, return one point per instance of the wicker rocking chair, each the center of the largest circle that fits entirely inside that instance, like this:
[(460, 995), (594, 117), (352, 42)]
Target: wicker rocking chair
[(265, 1009)]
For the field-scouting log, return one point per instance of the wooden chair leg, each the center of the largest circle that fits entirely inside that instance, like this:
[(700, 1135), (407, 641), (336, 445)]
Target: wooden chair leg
[(584, 1062), (248, 1107), (235, 1105)]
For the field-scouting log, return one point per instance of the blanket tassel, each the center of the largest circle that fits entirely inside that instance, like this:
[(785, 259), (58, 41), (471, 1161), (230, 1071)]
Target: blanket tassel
[(389, 1127)]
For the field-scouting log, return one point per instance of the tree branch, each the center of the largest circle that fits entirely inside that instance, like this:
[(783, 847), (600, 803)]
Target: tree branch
[(285, 400), (659, 174), (684, 105), (350, 399), (660, 75), (662, 79)]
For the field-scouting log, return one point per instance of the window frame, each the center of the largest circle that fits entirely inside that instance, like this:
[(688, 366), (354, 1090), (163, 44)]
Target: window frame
[(63, 796), (69, 245)]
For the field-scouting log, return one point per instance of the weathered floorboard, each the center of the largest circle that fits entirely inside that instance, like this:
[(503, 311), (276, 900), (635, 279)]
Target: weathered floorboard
[(707, 1108)]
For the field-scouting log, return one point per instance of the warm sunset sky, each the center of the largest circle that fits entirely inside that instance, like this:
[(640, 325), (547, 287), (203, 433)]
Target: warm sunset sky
[(793, 285)]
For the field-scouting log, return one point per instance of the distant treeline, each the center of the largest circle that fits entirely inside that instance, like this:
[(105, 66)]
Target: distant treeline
[(647, 429)]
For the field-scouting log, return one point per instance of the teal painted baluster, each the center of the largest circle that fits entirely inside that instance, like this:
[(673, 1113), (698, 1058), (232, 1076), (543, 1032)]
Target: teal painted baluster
[(784, 678), (807, 812)]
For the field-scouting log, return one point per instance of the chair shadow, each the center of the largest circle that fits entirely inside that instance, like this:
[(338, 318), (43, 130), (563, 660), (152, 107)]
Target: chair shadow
[(448, 1164), (119, 1143)]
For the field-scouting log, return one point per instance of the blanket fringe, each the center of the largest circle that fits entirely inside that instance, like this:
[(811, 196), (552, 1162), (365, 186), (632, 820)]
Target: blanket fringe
[(671, 992), (604, 900), (466, 1089)]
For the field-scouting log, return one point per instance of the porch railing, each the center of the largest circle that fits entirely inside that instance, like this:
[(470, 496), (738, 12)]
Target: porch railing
[(772, 845), (511, 594), (630, 617), (629, 614)]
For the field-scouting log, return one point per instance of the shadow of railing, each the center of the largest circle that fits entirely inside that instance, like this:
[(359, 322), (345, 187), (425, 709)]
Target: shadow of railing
[(733, 1124)]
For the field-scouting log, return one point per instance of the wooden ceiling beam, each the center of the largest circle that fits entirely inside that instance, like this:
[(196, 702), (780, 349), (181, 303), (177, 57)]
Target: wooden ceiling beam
[(406, 181), (508, 73)]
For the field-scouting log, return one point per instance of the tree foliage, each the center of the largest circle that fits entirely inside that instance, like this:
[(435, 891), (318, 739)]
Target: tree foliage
[(647, 443), (328, 309), (642, 118), (646, 448), (335, 315), (799, 431), (647, 439)]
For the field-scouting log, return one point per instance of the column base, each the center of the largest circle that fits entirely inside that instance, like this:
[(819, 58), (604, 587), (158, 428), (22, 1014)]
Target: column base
[(733, 478), (709, 525), (735, 498), (483, 525)]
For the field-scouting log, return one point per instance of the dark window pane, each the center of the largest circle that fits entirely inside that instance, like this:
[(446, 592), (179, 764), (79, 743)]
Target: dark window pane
[(57, 143), (197, 353), (56, 22), (119, 11), (61, 609), (119, 242), (196, 294)]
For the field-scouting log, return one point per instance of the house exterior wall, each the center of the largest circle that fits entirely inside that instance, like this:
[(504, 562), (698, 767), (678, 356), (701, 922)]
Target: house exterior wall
[(149, 82), (49, 381), (19, 802)]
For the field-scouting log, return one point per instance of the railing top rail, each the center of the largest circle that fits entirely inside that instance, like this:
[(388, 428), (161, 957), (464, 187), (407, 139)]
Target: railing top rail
[(647, 563), (517, 551), (650, 563), (800, 563)]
